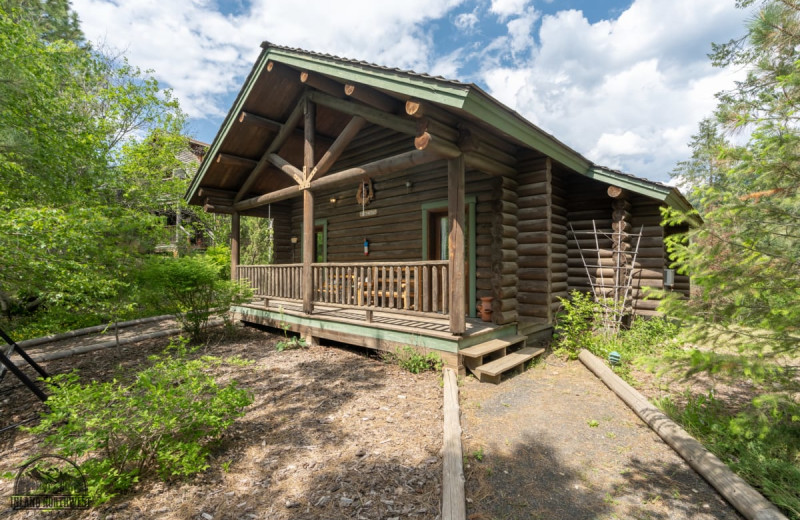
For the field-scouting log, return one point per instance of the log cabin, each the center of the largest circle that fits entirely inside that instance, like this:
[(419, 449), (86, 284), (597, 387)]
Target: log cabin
[(401, 203)]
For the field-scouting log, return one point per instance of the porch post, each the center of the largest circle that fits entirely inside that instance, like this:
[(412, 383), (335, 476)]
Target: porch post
[(234, 245), (308, 209), (455, 217)]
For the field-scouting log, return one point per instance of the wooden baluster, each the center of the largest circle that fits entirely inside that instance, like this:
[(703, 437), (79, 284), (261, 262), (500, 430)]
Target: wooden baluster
[(426, 288), (445, 295), (417, 289), (435, 287), (367, 296), (375, 282), (391, 287), (360, 287), (407, 288)]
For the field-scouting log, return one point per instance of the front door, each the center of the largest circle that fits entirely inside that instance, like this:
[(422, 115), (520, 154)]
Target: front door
[(438, 248)]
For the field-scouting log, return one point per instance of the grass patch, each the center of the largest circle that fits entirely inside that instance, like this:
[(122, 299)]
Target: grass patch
[(410, 359)]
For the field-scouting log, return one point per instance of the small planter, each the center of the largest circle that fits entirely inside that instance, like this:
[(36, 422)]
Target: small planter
[(485, 308)]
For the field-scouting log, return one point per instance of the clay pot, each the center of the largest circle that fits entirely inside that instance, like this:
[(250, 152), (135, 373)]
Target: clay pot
[(485, 308)]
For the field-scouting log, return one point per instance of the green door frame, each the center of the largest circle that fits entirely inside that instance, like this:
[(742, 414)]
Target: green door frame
[(469, 202)]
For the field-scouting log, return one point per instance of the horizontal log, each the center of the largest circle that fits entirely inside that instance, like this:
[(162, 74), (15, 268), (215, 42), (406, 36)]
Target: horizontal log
[(533, 237), (615, 192), (539, 213), (259, 121), (533, 311), (533, 249), (478, 161), (213, 192), (504, 317), (507, 304), (372, 97), (235, 160), (535, 298), (533, 273)]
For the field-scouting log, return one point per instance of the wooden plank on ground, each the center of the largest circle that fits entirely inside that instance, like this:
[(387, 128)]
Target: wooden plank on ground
[(454, 505)]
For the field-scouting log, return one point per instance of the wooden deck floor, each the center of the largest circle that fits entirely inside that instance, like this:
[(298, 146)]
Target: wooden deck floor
[(434, 326), (386, 330)]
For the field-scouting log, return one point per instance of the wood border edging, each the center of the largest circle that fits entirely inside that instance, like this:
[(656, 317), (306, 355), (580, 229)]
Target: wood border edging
[(89, 330), (749, 502), (454, 506)]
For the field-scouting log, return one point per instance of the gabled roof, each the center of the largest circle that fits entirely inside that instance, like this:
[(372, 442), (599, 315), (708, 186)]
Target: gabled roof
[(465, 99)]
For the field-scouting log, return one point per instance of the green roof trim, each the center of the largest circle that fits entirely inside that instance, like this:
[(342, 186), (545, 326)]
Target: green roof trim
[(640, 186), (426, 88)]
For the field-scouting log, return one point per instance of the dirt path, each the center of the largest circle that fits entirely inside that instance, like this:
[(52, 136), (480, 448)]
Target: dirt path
[(555, 443)]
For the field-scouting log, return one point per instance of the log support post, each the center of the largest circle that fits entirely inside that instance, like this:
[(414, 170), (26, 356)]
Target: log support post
[(235, 230), (456, 241), (308, 209)]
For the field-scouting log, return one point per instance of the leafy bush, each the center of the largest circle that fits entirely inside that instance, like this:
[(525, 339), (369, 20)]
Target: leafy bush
[(579, 326), (160, 423), (409, 358), (191, 287), (575, 324)]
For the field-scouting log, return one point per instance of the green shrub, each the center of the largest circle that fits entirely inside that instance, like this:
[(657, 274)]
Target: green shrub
[(575, 324), (579, 326), (192, 288), (761, 443), (409, 358), (160, 423)]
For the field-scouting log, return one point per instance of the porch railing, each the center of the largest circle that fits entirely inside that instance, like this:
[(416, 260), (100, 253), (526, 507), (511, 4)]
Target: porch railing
[(411, 287), (283, 281)]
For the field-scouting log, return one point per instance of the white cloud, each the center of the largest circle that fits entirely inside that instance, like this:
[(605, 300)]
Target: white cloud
[(629, 92), (203, 54), (506, 8), (520, 32), (466, 22)]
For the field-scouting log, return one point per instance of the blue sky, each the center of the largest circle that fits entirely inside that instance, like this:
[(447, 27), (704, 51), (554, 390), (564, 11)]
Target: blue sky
[(622, 82)]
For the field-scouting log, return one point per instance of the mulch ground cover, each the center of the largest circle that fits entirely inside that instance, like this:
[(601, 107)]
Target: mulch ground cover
[(332, 433)]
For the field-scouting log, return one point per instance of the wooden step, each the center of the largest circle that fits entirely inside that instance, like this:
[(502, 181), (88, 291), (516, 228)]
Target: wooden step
[(492, 371), (482, 349)]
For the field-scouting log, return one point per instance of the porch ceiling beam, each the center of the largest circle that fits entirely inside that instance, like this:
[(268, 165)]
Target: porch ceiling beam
[(372, 97), (385, 166), (329, 158), (283, 134), (261, 122), (373, 115), (267, 198), (216, 192), (322, 83), (286, 167), (235, 160)]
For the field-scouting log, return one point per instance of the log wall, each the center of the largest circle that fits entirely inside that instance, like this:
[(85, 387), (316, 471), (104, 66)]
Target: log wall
[(558, 237), (504, 250), (534, 245), (588, 206), (650, 257)]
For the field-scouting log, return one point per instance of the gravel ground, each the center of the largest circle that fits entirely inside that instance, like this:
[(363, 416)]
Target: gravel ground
[(556, 443)]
